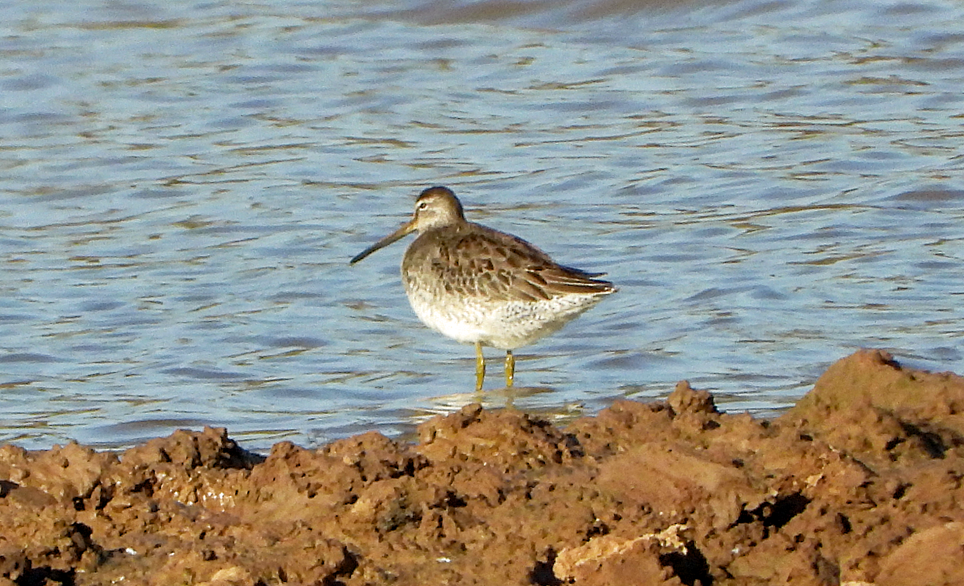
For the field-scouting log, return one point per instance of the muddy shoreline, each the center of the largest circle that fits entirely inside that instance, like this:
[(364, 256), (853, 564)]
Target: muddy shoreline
[(860, 483)]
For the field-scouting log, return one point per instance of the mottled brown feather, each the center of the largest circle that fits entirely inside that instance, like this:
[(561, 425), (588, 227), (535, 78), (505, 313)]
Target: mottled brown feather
[(476, 261)]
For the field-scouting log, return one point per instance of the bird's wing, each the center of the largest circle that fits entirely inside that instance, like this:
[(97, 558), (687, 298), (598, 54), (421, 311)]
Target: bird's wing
[(499, 266)]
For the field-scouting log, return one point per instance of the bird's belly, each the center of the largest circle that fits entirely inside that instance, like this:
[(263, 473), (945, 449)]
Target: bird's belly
[(502, 324)]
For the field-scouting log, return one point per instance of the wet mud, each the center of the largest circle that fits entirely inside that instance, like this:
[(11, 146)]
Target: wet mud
[(859, 483)]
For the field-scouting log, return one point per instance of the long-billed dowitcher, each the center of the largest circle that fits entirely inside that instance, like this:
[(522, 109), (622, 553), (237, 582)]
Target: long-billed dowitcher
[(481, 286)]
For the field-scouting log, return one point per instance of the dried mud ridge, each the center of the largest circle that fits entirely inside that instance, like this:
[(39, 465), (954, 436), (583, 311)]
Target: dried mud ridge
[(859, 483)]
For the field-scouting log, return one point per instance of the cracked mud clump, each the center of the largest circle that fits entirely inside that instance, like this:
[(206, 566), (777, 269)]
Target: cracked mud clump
[(861, 482)]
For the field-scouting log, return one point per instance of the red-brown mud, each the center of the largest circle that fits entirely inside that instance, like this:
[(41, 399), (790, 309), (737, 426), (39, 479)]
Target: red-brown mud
[(860, 483)]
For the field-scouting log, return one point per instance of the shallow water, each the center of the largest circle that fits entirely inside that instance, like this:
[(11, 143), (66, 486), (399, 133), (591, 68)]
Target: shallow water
[(771, 185)]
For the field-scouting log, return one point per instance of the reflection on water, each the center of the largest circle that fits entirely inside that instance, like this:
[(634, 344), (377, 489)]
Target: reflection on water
[(771, 185)]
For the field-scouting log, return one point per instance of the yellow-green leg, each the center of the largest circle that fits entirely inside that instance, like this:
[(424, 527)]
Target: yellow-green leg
[(479, 367), (509, 368)]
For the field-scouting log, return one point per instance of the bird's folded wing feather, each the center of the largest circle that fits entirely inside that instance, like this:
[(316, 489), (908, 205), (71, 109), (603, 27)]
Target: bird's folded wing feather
[(498, 266)]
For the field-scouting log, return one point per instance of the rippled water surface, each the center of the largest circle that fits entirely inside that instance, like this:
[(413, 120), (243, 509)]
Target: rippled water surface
[(771, 185)]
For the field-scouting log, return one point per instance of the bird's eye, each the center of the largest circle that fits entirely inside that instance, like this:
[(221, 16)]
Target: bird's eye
[(423, 205)]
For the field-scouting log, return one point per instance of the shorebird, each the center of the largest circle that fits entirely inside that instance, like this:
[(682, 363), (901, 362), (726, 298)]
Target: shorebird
[(480, 286)]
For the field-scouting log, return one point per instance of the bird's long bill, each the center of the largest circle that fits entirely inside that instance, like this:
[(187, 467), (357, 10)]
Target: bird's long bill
[(395, 236)]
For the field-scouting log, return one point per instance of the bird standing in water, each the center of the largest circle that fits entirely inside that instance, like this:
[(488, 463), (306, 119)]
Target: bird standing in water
[(480, 286)]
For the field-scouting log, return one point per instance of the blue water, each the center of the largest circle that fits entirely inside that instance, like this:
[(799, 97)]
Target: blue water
[(771, 185)]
